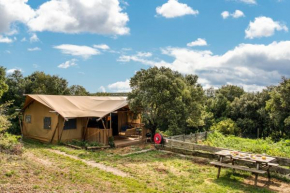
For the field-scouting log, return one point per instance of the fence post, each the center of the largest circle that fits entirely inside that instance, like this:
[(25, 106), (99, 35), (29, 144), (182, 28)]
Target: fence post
[(183, 137), (196, 137), (205, 136)]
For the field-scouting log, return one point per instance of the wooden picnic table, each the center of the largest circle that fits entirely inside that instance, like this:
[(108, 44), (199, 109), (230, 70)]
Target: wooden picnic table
[(261, 162)]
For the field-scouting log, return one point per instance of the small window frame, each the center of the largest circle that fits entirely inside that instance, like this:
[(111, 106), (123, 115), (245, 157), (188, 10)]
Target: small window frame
[(70, 124), (47, 123), (27, 118)]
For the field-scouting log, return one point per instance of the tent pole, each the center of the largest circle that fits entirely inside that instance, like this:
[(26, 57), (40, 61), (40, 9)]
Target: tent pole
[(54, 131)]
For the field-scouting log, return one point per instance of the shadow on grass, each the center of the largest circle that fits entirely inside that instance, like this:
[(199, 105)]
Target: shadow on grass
[(235, 181)]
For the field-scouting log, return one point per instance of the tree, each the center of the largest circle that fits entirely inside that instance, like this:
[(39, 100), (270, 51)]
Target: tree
[(166, 99), (78, 90), (3, 85), (41, 83), (14, 96), (278, 107), (231, 92), (4, 118), (227, 127)]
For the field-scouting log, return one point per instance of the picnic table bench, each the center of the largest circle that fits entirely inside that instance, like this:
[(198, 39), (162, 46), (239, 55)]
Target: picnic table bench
[(262, 163)]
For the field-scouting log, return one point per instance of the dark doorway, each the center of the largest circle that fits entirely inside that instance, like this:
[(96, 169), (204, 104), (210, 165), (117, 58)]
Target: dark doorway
[(115, 124)]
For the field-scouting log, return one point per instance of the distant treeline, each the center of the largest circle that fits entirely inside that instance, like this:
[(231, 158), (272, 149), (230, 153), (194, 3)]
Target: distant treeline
[(228, 109)]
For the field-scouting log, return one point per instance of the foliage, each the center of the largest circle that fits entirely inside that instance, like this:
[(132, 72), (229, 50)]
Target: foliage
[(78, 90), (83, 143), (231, 92), (166, 99), (267, 146), (279, 108), (111, 141), (10, 143), (3, 85), (227, 127)]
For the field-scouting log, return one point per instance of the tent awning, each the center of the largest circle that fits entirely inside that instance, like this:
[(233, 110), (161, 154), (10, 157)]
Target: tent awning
[(79, 106)]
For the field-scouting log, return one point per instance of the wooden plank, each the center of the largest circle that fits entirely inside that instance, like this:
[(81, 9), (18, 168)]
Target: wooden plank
[(237, 167)]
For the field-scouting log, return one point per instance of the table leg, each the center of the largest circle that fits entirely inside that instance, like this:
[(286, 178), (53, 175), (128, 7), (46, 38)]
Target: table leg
[(219, 171), (233, 163), (268, 170), (256, 175)]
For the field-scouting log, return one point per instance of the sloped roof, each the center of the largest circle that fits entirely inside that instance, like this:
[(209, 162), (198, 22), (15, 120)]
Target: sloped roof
[(79, 106)]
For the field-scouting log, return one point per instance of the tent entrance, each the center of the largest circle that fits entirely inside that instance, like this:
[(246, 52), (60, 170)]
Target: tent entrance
[(115, 124)]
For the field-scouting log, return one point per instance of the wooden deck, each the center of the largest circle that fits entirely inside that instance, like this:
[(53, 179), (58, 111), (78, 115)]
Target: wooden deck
[(122, 141)]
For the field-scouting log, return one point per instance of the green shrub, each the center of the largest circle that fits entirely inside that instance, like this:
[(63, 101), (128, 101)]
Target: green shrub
[(267, 146), (111, 142), (227, 127), (10, 143)]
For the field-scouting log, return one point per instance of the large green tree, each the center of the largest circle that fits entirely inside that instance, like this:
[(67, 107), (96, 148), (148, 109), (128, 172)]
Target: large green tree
[(41, 83), (78, 90), (4, 118), (167, 100), (279, 108)]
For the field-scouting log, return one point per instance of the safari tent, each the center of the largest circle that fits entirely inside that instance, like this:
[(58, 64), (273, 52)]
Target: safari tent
[(58, 118)]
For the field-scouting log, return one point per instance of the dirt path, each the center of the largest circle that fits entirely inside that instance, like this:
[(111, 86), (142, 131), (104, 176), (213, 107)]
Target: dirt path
[(103, 167)]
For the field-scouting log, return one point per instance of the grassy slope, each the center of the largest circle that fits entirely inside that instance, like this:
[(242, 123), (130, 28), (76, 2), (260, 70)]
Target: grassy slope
[(41, 170), (260, 146)]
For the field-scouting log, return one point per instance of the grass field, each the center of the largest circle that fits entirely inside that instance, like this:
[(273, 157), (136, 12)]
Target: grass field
[(281, 148), (39, 169)]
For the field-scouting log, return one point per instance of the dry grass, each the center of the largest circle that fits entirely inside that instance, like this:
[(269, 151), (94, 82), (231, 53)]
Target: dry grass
[(41, 170)]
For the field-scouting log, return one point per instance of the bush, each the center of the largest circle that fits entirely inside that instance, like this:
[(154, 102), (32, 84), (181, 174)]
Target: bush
[(227, 127), (10, 144), (267, 146)]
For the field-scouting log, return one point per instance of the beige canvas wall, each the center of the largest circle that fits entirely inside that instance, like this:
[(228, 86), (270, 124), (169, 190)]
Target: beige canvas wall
[(36, 130)]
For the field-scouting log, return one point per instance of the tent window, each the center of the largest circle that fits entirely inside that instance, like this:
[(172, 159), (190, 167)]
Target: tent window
[(47, 123), (70, 124), (93, 123), (28, 118)]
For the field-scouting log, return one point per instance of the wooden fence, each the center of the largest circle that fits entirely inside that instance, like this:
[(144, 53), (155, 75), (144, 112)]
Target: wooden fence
[(187, 144)]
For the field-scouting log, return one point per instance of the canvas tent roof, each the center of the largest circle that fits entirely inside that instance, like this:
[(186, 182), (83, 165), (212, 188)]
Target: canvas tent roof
[(79, 106)]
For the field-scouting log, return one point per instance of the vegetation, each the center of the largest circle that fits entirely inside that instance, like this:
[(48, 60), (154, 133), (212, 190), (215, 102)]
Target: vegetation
[(84, 144), (259, 146), (154, 171), (167, 100)]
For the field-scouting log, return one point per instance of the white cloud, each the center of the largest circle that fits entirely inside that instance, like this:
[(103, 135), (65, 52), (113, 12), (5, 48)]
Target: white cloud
[(120, 86), (102, 89), (77, 16), (68, 64), (198, 42), (139, 57), (225, 14), (75, 50), (102, 46), (253, 2), (264, 27), (34, 49), (236, 14), (23, 40), (35, 65), (11, 71), (173, 9), (253, 66), (5, 40), (34, 38), (144, 54), (14, 11)]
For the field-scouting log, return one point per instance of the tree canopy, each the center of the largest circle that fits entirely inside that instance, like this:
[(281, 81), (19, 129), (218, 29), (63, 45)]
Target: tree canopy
[(167, 100)]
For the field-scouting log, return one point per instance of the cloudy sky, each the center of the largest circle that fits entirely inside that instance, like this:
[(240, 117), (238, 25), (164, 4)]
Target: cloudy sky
[(100, 44)]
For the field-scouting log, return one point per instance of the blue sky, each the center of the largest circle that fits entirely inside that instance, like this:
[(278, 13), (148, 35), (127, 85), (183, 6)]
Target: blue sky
[(100, 44)]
